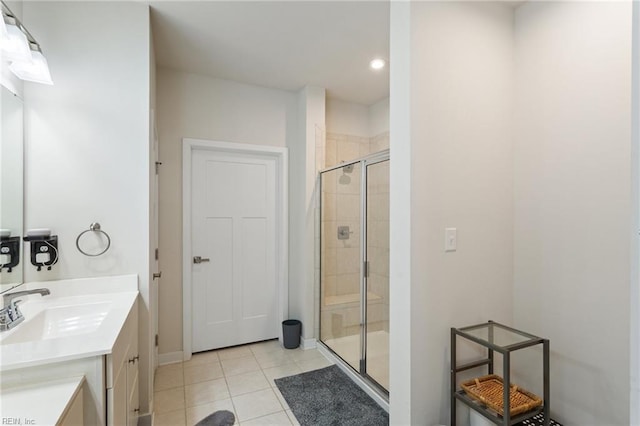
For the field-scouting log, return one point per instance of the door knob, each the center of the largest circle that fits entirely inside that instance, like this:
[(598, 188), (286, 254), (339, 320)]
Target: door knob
[(198, 259), (157, 275)]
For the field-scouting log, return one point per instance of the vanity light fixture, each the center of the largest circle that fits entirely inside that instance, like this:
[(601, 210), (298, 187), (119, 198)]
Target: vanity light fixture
[(377, 64), (21, 50), (15, 46), (3, 29), (35, 70)]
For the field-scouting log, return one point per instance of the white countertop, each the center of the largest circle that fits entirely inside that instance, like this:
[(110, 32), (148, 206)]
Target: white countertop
[(40, 404), (112, 299)]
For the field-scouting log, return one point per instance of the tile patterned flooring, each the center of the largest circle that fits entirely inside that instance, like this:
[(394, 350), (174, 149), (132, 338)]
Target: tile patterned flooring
[(238, 379)]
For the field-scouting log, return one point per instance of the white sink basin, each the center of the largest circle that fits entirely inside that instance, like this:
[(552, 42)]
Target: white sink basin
[(59, 321)]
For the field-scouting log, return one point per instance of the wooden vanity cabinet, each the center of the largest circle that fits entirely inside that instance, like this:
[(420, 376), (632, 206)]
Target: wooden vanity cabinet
[(122, 375)]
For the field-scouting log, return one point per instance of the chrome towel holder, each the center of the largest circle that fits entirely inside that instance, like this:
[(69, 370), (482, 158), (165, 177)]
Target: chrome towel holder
[(94, 227)]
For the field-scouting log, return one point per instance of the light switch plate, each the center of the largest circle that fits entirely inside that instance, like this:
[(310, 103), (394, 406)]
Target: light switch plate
[(450, 239)]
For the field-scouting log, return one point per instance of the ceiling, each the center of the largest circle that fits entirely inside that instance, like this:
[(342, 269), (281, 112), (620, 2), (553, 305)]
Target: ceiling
[(284, 45)]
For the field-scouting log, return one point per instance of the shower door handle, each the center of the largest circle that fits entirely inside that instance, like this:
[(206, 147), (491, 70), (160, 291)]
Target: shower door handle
[(198, 259)]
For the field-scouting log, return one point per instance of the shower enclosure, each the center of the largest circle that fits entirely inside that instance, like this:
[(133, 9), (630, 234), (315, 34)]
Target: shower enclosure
[(354, 265)]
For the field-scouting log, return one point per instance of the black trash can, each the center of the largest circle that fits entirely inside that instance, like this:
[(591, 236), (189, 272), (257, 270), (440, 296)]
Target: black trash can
[(291, 330)]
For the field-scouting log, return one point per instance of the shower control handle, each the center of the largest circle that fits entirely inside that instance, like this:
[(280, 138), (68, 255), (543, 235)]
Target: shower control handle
[(198, 259), (344, 232)]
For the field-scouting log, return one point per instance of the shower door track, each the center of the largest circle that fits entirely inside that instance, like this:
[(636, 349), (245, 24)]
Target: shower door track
[(365, 382)]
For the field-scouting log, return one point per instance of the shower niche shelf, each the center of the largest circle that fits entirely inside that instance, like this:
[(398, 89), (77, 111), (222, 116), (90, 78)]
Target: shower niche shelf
[(504, 340)]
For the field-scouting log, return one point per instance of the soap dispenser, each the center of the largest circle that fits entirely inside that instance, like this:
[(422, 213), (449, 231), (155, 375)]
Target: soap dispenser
[(9, 251), (44, 248)]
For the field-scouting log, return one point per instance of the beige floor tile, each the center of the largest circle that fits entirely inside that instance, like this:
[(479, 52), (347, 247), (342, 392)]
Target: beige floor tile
[(195, 414), (169, 400), (202, 373), (172, 418), (168, 378), (302, 355), (204, 392), (281, 371), (313, 364), (202, 358), (176, 366), (238, 379), (283, 401), (256, 404), (273, 359), (292, 418), (232, 367), (276, 419), (266, 347), (247, 382), (234, 352)]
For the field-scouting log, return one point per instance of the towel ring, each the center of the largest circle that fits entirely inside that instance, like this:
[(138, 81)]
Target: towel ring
[(94, 227)]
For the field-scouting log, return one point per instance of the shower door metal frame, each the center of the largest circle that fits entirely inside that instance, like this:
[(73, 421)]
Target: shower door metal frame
[(364, 162)]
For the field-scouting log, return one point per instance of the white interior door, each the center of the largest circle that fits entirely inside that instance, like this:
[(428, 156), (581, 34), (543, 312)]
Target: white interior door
[(234, 289), (155, 232)]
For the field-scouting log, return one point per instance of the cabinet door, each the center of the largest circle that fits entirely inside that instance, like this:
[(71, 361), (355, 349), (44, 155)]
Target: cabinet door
[(75, 414), (122, 370), (133, 357), (134, 406), (117, 401)]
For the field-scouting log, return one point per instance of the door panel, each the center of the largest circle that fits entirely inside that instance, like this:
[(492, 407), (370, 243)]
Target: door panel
[(354, 266), (340, 260), (218, 274), (233, 226), (377, 280), (254, 268)]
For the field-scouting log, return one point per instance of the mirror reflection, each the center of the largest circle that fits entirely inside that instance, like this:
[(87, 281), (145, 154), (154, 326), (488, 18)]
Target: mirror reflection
[(11, 187)]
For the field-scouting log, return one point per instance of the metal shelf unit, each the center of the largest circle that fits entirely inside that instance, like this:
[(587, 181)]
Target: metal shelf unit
[(504, 340)]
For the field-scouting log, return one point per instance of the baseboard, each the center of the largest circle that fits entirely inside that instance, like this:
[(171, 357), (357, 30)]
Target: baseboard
[(170, 358), (309, 343), (146, 420)]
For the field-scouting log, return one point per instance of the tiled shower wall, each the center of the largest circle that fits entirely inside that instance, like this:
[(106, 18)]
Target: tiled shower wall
[(340, 274)]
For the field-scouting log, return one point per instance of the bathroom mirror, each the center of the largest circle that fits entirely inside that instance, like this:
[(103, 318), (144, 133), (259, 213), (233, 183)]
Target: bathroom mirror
[(11, 190)]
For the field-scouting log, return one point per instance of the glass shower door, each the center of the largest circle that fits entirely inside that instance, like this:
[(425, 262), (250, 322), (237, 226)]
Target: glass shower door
[(340, 257), (377, 272)]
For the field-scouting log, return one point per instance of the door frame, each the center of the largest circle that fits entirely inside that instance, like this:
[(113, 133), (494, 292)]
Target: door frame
[(281, 155)]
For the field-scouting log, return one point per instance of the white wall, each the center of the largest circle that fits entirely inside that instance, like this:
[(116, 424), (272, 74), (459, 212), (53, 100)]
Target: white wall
[(11, 182), (573, 201), (400, 184), (635, 223), (347, 118), (461, 66), (86, 141), (350, 118), (378, 117), (303, 210), (195, 106)]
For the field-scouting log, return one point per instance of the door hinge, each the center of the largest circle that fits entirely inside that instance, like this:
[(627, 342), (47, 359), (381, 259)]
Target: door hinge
[(157, 254), (156, 340), (158, 164)]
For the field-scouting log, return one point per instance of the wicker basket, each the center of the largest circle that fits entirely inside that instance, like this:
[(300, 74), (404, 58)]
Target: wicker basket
[(489, 390)]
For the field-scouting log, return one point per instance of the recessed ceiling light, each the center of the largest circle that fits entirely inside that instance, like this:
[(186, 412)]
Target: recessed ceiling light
[(377, 64)]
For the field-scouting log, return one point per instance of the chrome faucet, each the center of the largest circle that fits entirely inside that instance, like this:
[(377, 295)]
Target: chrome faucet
[(10, 315)]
